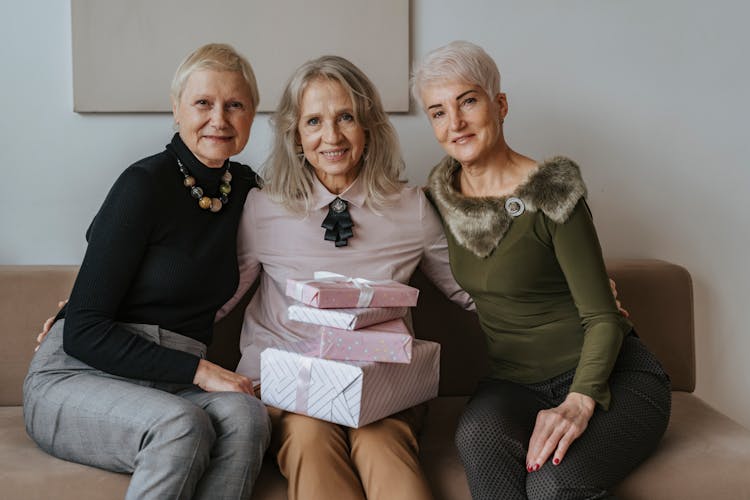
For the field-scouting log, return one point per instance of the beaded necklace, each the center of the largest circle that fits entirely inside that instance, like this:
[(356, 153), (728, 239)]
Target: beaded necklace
[(206, 203)]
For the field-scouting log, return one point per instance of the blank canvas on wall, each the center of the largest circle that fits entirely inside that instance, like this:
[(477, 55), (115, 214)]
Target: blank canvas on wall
[(125, 52)]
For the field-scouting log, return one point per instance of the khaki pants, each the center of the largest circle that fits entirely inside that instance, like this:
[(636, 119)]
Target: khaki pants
[(324, 461)]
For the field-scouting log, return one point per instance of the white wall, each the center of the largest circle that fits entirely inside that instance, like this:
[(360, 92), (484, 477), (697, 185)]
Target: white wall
[(651, 98)]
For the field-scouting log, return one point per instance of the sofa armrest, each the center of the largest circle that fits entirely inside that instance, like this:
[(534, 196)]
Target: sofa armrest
[(659, 297), (28, 296)]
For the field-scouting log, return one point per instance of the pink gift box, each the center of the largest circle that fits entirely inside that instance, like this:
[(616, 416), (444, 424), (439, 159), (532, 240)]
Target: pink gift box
[(345, 319), (352, 393), (388, 342), (343, 292)]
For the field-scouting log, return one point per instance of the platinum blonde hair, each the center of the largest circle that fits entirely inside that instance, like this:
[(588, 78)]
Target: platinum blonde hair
[(289, 177), (457, 61), (216, 57)]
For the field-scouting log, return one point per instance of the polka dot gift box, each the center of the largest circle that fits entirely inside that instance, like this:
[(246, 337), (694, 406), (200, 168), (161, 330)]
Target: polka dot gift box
[(388, 342)]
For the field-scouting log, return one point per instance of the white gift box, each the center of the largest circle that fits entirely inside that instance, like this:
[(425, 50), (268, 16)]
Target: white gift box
[(352, 393), (345, 319)]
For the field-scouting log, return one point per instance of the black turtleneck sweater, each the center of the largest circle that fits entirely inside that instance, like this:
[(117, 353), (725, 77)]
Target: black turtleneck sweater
[(155, 257)]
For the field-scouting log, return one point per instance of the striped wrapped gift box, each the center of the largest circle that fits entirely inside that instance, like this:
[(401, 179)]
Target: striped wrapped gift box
[(345, 319), (349, 393)]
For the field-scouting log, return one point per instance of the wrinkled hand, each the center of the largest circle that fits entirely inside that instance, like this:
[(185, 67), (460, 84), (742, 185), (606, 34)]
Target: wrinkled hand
[(622, 310), (213, 378), (47, 325), (557, 428)]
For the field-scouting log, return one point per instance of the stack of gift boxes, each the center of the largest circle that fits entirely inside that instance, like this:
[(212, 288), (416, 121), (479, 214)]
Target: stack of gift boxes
[(364, 365)]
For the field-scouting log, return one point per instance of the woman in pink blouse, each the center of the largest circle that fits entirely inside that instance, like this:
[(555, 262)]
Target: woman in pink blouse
[(336, 161)]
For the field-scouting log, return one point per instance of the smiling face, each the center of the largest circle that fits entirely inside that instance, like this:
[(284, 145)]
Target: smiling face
[(331, 138), (214, 113), (466, 121)]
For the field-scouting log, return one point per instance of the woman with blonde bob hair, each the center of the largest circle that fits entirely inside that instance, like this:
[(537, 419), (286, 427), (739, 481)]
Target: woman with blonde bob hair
[(335, 160), (574, 401), (120, 381), (216, 57)]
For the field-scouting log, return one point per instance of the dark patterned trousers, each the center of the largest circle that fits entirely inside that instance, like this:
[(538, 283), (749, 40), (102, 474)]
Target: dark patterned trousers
[(494, 431)]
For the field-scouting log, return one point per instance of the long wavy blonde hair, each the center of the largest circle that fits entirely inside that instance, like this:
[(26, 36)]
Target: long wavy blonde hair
[(289, 177)]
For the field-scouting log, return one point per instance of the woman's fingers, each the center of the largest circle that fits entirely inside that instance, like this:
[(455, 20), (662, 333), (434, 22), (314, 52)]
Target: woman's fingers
[(622, 310), (551, 445), (564, 444), (556, 429), (552, 427), (45, 330), (213, 378), (47, 325), (539, 436)]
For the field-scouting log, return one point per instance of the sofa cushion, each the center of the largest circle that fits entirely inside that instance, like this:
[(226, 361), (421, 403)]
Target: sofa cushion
[(703, 455), (438, 453), (28, 472)]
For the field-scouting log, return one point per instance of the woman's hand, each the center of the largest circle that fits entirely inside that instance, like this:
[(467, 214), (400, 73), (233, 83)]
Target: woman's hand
[(213, 378), (622, 310), (557, 428), (47, 325)]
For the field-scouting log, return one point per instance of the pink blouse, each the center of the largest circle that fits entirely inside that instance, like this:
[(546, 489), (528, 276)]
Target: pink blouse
[(277, 245)]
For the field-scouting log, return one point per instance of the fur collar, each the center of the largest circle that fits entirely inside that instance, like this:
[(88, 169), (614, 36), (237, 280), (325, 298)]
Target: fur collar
[(479, 224)]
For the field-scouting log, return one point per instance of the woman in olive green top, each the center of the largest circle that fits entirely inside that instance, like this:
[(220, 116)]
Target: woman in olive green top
[(573, 400)]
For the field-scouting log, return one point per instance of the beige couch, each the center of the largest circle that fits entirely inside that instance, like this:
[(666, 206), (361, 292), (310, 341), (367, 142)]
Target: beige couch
[(704, 454)]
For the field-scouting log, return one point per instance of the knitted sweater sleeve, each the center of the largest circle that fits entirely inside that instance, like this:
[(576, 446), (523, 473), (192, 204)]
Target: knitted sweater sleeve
[(118, 240)]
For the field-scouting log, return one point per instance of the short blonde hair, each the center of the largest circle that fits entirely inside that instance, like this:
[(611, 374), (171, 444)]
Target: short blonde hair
[(216, 57), (457, 61), (289, 177)]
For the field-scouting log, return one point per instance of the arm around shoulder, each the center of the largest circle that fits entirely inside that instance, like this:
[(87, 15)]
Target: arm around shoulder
[(247, 260), (435, 263)]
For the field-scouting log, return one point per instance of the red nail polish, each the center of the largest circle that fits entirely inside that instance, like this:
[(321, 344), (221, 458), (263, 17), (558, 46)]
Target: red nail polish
[(529, 468), (536, 467), (556, 461)]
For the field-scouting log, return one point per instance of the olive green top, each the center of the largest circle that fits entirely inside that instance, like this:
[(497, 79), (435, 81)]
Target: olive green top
[(542, 293)]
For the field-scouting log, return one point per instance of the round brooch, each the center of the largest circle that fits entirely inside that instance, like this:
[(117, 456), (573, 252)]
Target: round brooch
[(338, 205), (514, 206)]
